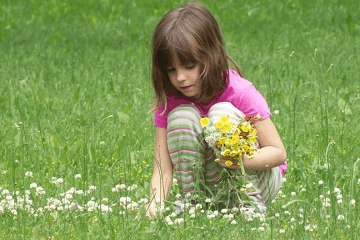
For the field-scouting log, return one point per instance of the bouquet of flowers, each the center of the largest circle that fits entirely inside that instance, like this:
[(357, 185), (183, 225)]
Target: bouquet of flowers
[(231, 141)]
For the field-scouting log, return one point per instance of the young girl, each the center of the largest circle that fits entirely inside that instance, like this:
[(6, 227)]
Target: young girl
[(192, 80)]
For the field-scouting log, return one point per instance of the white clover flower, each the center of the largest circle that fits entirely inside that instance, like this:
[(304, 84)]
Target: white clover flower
[(28, 174), (178, 220), (175, 181), (132, 206), (326, 202), (208, 200), (105, 209), (339, 201), (321, 182), (230, 216), (293, 193), (192, 215), (105, 201), (14, 212), (327, 216), (133, 187), (78, 176), (170, 223), (79, 192), (321, 196), (303, 190), (340, 217), (178, 196), (277, 215), (287, 213), (261, 229), (210, 216), (102, 143), (276, 112), (282, 231), (120, 187), (339, 196), (352, 202), (198, 206), (284, 179), (292, 220), (301, 210), (92, 188), (59, 181), (234, 210), (33, 185), (337, 190), (1, 210), (358, 181), (216, 213), (124, 200), (188, 195), (143, 200), (40, 191), (225, 216), (122, 212), (307, 227), (224, 210), (233, 222)]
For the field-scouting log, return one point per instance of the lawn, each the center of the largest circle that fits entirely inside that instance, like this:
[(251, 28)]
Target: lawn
[(77, 135)]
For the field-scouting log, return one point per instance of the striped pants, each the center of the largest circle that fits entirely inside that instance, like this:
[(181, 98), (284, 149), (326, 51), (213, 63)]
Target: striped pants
[(193, 159)]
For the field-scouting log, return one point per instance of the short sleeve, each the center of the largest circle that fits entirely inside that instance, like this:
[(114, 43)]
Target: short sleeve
[(160, 120), (251, 102)]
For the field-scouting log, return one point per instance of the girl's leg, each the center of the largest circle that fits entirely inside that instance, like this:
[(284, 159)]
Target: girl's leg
[(267, 182), (186, 147)]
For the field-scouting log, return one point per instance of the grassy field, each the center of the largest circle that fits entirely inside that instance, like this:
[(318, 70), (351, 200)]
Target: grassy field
[(76, 134)]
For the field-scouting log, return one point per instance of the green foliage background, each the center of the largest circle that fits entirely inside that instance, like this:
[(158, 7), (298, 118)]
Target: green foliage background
[(66, 66)]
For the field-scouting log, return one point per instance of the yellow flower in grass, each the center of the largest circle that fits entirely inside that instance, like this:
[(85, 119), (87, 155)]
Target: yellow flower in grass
[(204, 122), (217, 160), (228, 163), (224, 119), (219, 125)]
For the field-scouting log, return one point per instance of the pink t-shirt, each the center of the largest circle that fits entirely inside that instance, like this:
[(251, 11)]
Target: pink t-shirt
[(239, 91)]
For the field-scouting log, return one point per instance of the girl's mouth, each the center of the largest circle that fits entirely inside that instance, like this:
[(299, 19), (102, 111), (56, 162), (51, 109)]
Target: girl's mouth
[(186, 87)]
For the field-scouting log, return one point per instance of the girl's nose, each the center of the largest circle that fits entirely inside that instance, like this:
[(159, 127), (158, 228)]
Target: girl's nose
[(180, 76)]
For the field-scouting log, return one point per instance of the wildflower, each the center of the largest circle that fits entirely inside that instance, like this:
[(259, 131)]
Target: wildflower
[(261, 229), (358, 181), (276, 112), (59, 181), (124, 200), (208, 200), (178, 196), (40, 191), (293, 193), (77, 176), (339, 201), (223, 211), (277, 215), (233, 222), (282, 231), (28, 174), (337, 190), (210, 216), (92, 188), (133, 187), (352, 202), (102, 143), (33, 185), (340, 217), (292, 220), (321, 182), (228, 163), (204, 122), (179, 220)]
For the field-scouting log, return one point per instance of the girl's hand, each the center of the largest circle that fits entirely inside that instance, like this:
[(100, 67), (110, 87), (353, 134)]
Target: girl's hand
[(150, 209)]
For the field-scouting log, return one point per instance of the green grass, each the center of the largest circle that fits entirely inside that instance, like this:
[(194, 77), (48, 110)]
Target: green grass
[(74, 74)]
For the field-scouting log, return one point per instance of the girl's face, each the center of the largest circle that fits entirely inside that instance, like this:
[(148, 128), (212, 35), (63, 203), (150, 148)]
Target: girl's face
[(185, 78)]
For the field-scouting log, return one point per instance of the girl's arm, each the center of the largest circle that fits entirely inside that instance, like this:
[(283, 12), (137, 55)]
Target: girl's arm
[(272, 151), (161, 181)]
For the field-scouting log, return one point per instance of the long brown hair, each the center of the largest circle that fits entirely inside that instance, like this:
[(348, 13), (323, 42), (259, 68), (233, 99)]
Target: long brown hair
[(191, 34)]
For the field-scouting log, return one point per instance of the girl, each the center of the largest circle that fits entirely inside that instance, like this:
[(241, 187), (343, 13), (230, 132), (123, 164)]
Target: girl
[(192, 79)]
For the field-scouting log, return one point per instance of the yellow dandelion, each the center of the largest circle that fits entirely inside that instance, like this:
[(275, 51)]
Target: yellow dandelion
[(234, 140), (204, 122), (252, 140), (226, 127), (219, 125), (228, 163), (222, 140), (236, 133), (246, 148), (233, 153), (217, 160), (224, 119), (226, 152), (254, 132)]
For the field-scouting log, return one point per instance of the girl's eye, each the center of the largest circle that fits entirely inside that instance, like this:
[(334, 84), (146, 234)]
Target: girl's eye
[(190, 67), (170, 69)]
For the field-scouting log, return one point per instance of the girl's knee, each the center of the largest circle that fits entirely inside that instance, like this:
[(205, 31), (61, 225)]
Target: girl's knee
[(227, 109), (185, 115)]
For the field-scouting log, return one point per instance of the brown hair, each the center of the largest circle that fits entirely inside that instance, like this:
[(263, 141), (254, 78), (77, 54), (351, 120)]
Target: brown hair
[(191, 34)]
